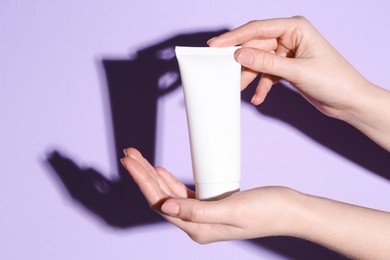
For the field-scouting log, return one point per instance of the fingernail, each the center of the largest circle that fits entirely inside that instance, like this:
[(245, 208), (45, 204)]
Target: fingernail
[(215, 41), (170, 208), (212, 39), (123, 163), (124, 151), (245, 58), (254, 100)]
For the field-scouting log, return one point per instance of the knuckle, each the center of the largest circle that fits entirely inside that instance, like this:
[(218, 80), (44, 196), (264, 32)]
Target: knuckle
[(253, 22), (299, 17), (196, 214), (159, 169), (265, 63), (148, 182), (301, 21)]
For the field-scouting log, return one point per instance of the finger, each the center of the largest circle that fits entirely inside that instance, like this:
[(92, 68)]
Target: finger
[(148, 185), (262, 44), (211, 212), (264, 86), (177, 188), (135, 154), (247, 76), (268, 63), (158, 174), (263, 29)]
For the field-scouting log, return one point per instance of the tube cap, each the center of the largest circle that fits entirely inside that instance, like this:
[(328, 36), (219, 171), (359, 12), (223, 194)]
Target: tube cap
[(215, 191)]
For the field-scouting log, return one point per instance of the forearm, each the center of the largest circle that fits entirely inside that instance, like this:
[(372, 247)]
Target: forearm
[(353, 231), (371, 114)]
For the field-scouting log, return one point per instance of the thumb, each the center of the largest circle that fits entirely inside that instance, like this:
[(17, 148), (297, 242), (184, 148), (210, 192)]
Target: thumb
[(196, 211), (268, 63)]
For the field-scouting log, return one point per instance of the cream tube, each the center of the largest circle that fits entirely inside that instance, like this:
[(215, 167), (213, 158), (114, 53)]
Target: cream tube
[(211, 83)]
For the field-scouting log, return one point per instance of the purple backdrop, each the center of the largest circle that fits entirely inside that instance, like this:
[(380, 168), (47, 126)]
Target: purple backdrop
[(74, 77)]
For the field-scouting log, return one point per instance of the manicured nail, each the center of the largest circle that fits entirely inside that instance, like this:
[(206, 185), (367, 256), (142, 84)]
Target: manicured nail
[(245, 57), (170, 208)]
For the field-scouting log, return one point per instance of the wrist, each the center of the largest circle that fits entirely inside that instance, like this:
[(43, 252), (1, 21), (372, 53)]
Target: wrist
[(368, 113), (293, 214), (361, 98)]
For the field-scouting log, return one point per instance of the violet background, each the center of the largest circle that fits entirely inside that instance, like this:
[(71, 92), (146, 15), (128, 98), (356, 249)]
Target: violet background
[(53, 96)]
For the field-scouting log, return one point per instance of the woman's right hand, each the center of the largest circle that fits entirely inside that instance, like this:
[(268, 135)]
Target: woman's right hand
[(293, 50)]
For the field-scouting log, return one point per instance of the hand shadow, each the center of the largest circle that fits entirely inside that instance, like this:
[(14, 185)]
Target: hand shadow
[(134, 86), (288, 106), (118, 202)]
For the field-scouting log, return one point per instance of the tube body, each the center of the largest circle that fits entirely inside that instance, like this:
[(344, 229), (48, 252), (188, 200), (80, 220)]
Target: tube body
[(211, 84)]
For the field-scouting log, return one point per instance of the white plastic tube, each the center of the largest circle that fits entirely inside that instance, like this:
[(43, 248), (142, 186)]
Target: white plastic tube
[(211, 83)]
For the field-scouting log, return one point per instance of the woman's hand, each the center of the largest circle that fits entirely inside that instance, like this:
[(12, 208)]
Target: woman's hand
[(293, 50), (265, 211), (268, 211)]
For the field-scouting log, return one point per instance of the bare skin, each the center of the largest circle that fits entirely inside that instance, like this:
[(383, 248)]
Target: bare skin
[(289, 49)]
